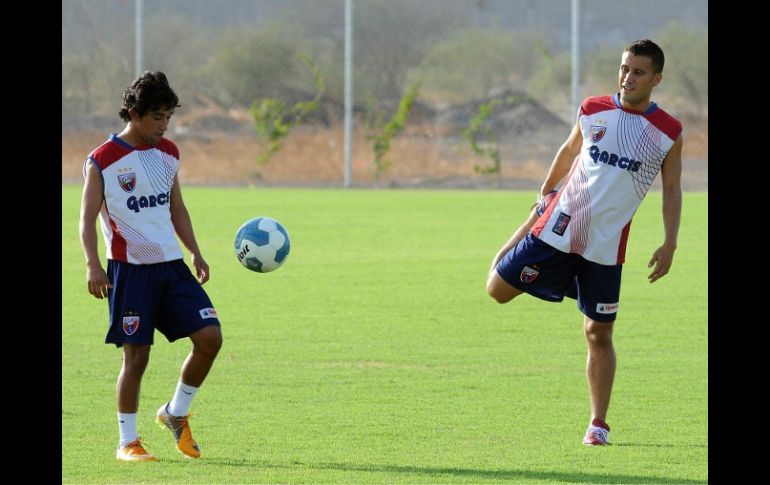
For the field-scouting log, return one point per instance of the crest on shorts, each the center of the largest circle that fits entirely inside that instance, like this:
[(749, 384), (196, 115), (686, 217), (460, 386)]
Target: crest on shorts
[(130, 323), (127, 181), (529, 274), (597, 132)]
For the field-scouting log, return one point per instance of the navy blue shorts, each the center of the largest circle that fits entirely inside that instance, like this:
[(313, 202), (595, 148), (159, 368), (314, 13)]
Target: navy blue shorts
[(545, 272), (165, 296)]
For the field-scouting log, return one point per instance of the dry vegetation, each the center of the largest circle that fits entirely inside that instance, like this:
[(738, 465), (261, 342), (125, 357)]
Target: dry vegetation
[(315, 157)]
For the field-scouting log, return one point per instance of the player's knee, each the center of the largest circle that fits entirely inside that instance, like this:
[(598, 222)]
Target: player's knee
[(499, 297), (136, 358), (598, 333), (498, 292), (211, 346), (208, 342)]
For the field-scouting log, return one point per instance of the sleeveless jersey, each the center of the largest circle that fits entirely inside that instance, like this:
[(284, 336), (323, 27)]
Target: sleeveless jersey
[(621, 155), (136, 212)]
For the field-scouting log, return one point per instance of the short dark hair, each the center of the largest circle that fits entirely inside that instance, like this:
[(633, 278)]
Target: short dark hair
[(647, 48), (148, 92)]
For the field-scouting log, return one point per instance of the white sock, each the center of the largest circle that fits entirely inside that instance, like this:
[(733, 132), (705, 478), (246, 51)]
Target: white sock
[(127, 426), (183, 396)]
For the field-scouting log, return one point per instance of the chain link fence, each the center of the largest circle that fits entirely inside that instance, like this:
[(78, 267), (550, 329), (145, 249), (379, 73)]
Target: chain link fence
[(446, 93)]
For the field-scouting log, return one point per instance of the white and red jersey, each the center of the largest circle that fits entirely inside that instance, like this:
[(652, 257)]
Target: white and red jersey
[(136, 211), (621, 155)]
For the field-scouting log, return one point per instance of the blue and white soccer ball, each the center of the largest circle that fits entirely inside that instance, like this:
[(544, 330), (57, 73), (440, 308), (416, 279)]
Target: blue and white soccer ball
[(262, 244)]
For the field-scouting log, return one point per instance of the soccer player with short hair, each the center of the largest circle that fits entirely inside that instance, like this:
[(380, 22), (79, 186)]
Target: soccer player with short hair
[(574, 242), (131, 184)]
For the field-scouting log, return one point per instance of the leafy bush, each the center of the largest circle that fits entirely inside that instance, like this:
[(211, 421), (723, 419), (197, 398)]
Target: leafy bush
[(480, 131), (393, 127), (273, 120)]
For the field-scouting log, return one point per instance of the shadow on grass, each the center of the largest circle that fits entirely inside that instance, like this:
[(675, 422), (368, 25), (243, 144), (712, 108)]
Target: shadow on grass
[(654, 445), (501, 474)]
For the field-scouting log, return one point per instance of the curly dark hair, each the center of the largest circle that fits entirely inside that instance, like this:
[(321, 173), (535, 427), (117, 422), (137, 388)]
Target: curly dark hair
[(149, 92), (647, 48)]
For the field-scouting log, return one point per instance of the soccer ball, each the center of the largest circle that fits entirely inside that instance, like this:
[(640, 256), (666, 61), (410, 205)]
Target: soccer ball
[(262, 244)]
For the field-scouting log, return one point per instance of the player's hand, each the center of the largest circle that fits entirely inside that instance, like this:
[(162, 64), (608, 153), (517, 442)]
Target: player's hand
[(661, 259), (201, 268), (98, 282)]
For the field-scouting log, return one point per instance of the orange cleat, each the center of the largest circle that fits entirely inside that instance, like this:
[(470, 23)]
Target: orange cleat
[(134, 451), (181, 429)]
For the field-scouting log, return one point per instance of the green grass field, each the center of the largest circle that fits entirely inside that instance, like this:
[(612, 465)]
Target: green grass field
[(374, 354)]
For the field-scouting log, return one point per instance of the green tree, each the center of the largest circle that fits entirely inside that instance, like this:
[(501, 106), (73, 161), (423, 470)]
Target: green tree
[(470, 63), (550, 83), (390, 38), (176, 45), (686, 72), (601, 72), (96, 64), (252, 65)]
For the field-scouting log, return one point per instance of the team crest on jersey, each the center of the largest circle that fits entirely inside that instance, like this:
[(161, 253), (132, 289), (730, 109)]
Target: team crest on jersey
[(127, 181), (528, 274), (597, 132), (561, 224), (130, 323)]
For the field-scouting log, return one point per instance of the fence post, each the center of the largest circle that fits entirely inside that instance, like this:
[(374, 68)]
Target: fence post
[(348, 91)]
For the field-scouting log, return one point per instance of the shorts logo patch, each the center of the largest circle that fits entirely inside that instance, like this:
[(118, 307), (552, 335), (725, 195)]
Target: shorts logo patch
[(528, 275), (561, 224), (130, 323), (607, 308), (208, 313)]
